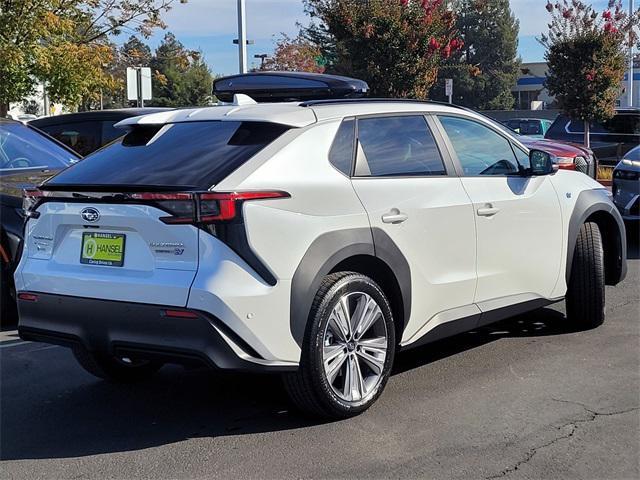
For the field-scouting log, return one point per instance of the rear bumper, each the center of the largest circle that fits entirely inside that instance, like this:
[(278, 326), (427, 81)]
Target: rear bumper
[(138, 330)]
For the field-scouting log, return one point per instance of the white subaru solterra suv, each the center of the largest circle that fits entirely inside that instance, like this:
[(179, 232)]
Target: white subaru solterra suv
[(315, 239)]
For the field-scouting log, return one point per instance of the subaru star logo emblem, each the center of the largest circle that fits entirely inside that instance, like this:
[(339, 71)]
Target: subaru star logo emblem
[(90, 214)]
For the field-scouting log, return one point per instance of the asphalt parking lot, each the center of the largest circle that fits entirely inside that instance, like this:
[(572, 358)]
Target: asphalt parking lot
[(526, 398)]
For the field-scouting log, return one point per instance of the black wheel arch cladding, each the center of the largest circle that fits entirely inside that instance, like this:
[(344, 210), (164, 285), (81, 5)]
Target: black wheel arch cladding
[(329, 250), (595, 206)]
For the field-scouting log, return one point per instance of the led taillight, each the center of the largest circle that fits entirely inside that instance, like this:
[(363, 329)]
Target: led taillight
[(180, 205), (29, 297), (206, 207), (30, 199), (225, 204), (179, 314)]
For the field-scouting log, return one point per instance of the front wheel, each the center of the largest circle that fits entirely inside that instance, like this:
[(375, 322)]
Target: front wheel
[(348, 348), (585, 292)]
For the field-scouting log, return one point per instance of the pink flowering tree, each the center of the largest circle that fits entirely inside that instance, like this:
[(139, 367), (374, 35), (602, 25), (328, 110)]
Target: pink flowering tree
[(586, 54), (397, 46)]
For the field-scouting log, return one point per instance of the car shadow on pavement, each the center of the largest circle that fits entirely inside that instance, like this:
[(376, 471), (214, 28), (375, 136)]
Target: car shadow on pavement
[(63, 412), (538, 323)]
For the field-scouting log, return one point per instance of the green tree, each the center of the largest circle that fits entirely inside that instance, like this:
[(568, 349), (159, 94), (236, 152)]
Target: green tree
[(180, 76), (486, 69), (587, 55), (397, 46), (64, 43), (134, 52)]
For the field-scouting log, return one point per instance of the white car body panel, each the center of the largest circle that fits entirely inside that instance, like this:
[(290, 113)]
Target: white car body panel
[(229, 289), (51, 257), (568, 186), (322, 200), (443, 266), (519, 247)]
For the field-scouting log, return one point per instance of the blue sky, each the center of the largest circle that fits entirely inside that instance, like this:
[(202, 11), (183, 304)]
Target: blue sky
[(211, 26)]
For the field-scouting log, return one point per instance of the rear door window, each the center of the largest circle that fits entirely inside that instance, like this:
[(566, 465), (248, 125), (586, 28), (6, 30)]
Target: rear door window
[(577, 126), (626, 124), (189, 155), (83, 137), (397, 146)]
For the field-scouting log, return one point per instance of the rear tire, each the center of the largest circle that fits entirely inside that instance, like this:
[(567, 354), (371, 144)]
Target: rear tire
[(115, 369), (344, 367), (585, 294)]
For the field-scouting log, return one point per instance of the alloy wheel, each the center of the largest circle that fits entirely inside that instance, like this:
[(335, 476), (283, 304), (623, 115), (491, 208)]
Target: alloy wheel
[(354, 347)]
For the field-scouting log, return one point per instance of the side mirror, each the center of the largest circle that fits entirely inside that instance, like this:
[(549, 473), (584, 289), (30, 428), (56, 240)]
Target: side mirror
[(541, 163)]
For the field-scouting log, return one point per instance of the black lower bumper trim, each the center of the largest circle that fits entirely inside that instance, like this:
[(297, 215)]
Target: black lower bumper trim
[(129, 329)]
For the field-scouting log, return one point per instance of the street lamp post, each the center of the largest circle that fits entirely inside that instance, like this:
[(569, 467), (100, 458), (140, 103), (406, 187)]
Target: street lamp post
[(242, 36)]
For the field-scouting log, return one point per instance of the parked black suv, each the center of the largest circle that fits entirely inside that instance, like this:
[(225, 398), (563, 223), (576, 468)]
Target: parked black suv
[(609, 140), (85, 132)]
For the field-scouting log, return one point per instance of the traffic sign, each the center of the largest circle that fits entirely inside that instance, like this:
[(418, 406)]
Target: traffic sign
[(138, 83)]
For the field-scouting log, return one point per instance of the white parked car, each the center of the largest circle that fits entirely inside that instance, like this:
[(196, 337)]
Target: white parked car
[(316, 239)]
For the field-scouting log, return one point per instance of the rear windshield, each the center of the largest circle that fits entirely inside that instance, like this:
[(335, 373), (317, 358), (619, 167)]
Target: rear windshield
[(189, 155)]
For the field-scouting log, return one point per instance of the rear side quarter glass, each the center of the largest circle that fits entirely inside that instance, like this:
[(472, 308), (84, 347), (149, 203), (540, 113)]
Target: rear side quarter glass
[(341, 152)]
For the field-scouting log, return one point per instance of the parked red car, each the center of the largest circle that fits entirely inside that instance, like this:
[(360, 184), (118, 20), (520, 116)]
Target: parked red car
[(568, 156)]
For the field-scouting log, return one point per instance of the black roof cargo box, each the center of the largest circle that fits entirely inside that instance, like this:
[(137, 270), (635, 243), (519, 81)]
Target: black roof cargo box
[(288, 86)]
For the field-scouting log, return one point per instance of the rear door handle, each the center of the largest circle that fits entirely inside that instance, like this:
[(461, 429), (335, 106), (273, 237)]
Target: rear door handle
[(394, 216), (487, 211)]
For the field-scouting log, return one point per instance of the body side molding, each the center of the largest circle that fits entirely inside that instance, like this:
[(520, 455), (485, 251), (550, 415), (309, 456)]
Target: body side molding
[(323, 254), (327, 251), (470, 317), (588, 203)]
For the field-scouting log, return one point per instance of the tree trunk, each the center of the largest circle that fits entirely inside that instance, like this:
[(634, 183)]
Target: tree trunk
[(4, 109), (587, 140)]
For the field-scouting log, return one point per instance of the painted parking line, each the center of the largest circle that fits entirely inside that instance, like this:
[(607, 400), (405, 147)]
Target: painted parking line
[(13, 343), (10, 339)]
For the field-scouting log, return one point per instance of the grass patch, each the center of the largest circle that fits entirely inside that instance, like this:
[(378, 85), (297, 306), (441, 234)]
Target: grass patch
[(605, 173)]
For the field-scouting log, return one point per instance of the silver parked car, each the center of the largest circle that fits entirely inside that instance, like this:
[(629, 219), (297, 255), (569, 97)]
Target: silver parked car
[(626, 185)]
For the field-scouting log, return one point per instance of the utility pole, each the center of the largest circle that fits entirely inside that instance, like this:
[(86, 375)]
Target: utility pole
[(139, 85), (242, 36), (630, 79)]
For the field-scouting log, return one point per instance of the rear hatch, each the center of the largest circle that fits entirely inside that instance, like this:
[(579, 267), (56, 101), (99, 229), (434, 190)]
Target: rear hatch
[(124, 224), (110, 251)]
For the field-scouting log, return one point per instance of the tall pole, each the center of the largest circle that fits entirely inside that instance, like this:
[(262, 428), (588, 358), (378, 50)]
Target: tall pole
[(242, 36), (139, 85), (630, 79)]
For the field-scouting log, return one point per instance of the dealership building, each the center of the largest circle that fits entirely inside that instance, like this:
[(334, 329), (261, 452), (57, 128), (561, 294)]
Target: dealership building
[(530, 93)]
